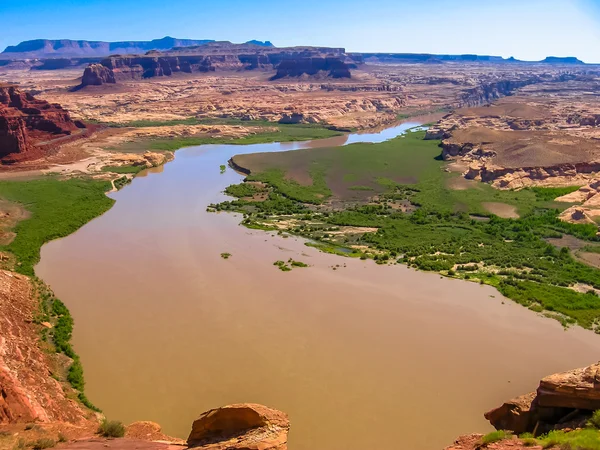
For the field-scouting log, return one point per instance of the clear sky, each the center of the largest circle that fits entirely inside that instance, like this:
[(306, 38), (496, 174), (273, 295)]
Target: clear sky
[(526, 29)]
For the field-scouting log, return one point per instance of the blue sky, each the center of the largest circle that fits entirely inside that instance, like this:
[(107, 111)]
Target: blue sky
[(526, 29)]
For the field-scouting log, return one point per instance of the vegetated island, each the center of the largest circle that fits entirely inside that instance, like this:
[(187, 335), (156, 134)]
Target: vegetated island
[(394, 202)]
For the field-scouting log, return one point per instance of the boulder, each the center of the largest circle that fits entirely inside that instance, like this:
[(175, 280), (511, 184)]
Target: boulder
[(245, 426), (517, 414)]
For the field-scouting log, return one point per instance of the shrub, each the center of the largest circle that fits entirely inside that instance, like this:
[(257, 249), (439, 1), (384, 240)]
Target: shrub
[(111, 428), (42, 443), (225, 255), (594, 421), (495, 436)]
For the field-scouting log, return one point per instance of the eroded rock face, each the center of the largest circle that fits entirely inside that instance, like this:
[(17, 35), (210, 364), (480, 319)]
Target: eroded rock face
[(96, 75), (27, 391), (332, 67), (240, 426), (29, 126), (289, 62), (579, 388)]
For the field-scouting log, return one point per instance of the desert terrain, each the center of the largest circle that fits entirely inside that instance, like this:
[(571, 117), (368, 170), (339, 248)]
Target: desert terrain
[(501, 189)]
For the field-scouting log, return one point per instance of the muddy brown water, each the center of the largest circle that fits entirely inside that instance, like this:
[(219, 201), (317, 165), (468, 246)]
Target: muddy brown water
[(361, 357)]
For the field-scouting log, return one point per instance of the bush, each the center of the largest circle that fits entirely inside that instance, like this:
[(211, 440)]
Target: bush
[(594, 421), (495, 436), (42, 443), (111, 428)]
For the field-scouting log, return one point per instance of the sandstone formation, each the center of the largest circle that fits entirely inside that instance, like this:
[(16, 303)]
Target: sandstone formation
[(332, 67), (96, 75), (535, 137), (30, 128), (588, 210), (563, 400), (240, 426), (289, 62)]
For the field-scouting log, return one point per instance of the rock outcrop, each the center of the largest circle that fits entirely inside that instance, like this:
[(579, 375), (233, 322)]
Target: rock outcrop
[(244, 426), (562, 400), (488, 92), (30, 128), (292, 62), (96, 75), (332, 67)]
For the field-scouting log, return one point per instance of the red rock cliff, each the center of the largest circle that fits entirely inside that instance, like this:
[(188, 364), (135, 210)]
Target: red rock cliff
[(29, 128)]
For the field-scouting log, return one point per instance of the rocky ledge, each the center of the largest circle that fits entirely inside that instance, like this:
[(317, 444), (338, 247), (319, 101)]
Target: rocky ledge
[(563, 401)]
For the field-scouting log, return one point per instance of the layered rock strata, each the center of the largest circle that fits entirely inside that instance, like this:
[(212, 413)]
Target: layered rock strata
[(290, 62), (29, 128)]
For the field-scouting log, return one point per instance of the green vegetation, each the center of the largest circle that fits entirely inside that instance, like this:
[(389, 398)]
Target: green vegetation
[(283, 133), (594, 421), (225, 255), (111, 429), (545, 193), (222, 168), (123, 169), (445, 230), (289, 265), (150, 123), (495, 436), (121, 182), (282, 266), (58, 208), (588, 439), (297, 263), (244, 190), (315, 193), (52, 310)]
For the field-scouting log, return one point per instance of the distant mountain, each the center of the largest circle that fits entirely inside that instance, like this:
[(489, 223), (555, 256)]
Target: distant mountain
[(440, 59), (565, 60), (261, 43), (67, 48)]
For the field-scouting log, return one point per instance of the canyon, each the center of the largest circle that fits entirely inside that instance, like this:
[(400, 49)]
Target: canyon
[(503, 122)]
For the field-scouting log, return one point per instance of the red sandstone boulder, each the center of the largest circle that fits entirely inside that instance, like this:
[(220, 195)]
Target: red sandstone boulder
[(244, 426), (516, 415)]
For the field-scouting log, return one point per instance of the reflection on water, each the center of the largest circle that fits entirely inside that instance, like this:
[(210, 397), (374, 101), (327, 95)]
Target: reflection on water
[(357, 357)]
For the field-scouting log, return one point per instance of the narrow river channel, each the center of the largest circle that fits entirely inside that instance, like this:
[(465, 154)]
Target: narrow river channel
[(362, 357)]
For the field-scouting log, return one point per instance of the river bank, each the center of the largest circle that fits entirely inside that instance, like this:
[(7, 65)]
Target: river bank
[(346, 339)]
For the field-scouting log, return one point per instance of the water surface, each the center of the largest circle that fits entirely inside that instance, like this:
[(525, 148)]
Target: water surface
[(361, 357)]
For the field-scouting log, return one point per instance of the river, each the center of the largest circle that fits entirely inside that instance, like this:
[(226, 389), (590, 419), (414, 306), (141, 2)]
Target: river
[(361, 357)]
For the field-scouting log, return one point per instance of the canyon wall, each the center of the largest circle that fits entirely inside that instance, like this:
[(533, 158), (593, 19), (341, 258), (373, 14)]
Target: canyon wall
[(29, 128), (292, 62)]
